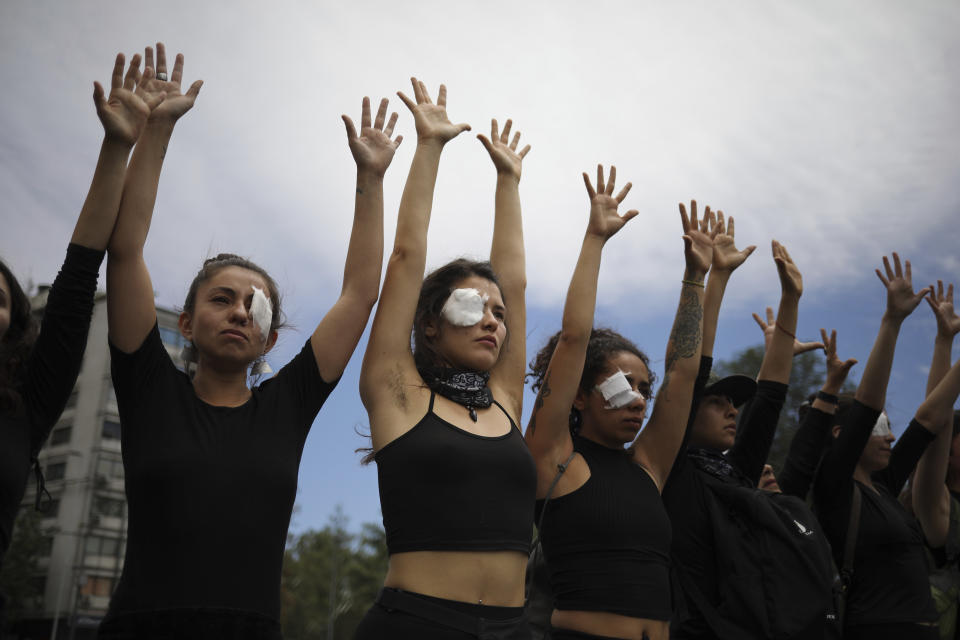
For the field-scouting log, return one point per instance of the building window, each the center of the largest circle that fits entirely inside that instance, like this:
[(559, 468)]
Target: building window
[(110, 468), (100, 546), (55, 471), (52, 509), (108, 507), (72, 400), (111, 430), (111, 394), (61, 435), (97, 586)]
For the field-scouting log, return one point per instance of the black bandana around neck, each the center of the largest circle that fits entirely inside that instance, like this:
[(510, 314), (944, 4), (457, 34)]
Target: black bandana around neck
[(715, 463), (467, 388)]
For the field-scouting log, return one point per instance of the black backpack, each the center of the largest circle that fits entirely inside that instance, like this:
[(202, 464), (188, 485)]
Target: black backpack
[(774, 567)]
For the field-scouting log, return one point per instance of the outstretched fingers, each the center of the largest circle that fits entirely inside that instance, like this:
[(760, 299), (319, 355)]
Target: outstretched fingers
[(611, 180), (623, 192), (177, 74), (586, 179), (600, 185), (351, 129), (391, 124), (763, 325), (116, 78)]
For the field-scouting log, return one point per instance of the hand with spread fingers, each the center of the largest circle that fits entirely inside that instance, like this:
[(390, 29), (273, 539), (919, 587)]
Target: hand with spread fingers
[(837, 369), (503, 151), (124, 112), (605, 222), (431, 119), (901, 300), (769, 328), (175, 103), (948, 322), (698, 237), (373, 149), (791, 281), (726, 256)]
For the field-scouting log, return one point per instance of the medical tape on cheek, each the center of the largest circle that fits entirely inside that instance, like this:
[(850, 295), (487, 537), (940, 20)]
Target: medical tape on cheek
[(882, 426), (617, 392), (464, 307), (261, 311)]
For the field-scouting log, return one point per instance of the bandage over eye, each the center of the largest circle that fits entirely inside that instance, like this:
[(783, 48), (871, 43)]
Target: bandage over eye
[(261, 312), (617, 392), (882, 426), (464, 307)]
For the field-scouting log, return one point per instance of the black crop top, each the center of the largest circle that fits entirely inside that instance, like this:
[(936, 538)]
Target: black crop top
[(446, 489), (607, 544)]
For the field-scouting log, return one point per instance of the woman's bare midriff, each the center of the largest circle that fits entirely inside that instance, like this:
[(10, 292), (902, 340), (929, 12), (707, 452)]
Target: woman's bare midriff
[(612, 625), (492, 578)]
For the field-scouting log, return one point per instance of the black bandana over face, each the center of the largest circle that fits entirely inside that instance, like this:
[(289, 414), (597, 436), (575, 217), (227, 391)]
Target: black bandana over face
[(467, 388)]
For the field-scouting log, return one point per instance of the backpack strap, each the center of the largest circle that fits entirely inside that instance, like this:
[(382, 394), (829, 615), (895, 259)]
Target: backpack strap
[(849, 549)]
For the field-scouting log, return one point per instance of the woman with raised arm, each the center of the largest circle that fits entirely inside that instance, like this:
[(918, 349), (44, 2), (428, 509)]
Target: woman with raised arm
[(889, 593), (456, 480), (211, 463), (935, 488), (720, 559), (605, 533), (37, 373)]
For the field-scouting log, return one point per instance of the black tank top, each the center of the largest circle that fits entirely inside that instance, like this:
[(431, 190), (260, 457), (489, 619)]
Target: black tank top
[(607, 544), (446, 489)]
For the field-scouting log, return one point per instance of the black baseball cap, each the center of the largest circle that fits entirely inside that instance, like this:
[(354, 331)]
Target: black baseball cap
[(736, 387)]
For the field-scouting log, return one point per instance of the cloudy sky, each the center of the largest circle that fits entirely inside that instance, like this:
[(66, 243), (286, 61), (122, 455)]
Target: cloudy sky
[(831, 126)]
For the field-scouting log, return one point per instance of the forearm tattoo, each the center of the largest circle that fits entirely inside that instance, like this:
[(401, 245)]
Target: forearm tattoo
[(686, 335), (544, 393)]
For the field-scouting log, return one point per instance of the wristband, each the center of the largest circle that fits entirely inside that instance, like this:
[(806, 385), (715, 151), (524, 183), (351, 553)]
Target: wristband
[(828, 397), (780, 326), (693, 283)]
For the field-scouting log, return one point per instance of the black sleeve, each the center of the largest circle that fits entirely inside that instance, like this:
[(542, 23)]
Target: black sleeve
[(302, 385), (806, 448), (140, 375), (756, 428), (703, 375), (904, 457), (54, 364)]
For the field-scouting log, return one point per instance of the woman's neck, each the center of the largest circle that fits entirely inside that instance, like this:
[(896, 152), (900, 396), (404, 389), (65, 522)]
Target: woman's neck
[(221, 388)]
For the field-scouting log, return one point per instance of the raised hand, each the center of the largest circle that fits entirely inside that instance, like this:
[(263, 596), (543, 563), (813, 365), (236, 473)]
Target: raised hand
[(698, 238), (726, 256), (431, 119), (373, 149), (837, 369), (791, 281), (175, 104), (948, 322), (901, 300), (770, 326), (604, 219), (502, 151), (126, 110)]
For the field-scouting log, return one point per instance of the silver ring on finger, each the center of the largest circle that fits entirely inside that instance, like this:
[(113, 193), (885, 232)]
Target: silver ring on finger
[(162, 76)]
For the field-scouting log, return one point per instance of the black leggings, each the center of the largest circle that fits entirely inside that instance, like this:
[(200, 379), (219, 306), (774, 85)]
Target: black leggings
[(403, 615), (569, 634), (187, 624), (891, 631)]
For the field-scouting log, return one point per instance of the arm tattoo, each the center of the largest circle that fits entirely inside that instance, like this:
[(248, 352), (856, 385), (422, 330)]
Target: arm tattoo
[(359, 190), (686, 334), (163, 152), (544, 393)]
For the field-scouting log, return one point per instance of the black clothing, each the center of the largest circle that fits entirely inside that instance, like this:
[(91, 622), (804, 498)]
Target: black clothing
[(446, 489), (607, 544), (807, 447), (210, 489), (47, 379), (570, 634), (190, 624), (467, 388), (404, 615), (890, 573), (894, 631)]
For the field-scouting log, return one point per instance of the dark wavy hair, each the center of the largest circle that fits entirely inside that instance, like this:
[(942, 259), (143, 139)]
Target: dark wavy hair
[(17, 342), (434, 291), (212, 266), (603, 344)]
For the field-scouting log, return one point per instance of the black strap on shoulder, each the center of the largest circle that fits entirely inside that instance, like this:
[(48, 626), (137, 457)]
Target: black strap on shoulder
[(537, 549), (433, 394), (849, 549)]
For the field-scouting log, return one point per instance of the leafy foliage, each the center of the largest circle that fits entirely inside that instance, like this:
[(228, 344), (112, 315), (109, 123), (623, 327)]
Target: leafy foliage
[(330, 578), (806, 377)]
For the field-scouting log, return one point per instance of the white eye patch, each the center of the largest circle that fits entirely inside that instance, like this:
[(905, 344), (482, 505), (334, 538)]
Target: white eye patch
[(261, 311), (882, 426), (464, 307), (617, 392)]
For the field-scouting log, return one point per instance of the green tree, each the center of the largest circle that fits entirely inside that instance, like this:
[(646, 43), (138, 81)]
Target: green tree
[(18, 580), (330, 578), (806, 377)]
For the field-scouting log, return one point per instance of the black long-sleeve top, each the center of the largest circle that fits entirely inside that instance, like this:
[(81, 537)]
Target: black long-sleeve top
[(807, 447), (890, 568), (686, 493), (47, 378)]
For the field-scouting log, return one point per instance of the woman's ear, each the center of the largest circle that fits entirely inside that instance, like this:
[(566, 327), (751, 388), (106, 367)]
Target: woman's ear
[(836, 430), (430, 329), (185, 323), (271, 340), (580, 400)]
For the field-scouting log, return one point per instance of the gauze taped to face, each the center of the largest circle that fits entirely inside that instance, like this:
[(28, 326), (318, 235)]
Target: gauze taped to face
[(464, 307), (882, 426), (261, 312), (617, 392)]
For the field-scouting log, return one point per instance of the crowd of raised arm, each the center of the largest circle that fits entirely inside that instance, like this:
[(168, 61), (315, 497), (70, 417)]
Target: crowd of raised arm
[(650, 520)]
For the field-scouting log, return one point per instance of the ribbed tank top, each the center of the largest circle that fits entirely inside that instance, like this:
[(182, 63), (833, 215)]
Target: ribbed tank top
[(445, 489), (607, 544)]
